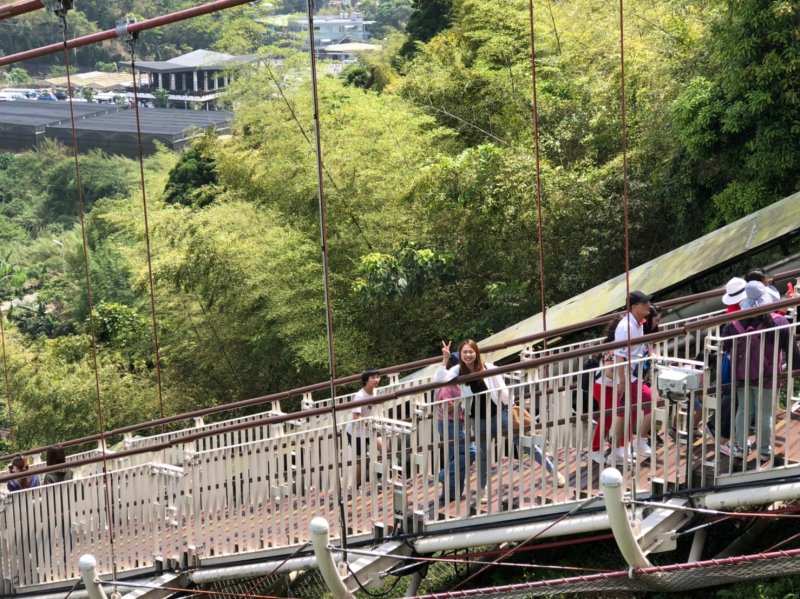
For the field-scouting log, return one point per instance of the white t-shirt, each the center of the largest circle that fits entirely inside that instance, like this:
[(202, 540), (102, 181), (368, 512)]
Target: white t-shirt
[(360, 411), (621, 334), (621, 353)]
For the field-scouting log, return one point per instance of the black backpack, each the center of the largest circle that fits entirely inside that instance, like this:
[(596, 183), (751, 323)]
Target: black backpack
[(584, 394)]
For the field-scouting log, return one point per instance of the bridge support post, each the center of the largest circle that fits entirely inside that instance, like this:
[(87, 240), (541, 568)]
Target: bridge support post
[(414, 583), (327, 567), (698, 544), (87, 566), (611, 484)]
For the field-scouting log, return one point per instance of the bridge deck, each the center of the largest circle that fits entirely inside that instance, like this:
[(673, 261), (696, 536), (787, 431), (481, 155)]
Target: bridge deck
[(234, 495), (246, 523)]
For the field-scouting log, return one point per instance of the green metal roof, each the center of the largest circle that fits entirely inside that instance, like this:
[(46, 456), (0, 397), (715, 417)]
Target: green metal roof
[(668, 270)]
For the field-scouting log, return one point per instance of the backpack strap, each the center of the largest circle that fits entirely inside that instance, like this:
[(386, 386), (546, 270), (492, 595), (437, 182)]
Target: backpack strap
[(738, 326)]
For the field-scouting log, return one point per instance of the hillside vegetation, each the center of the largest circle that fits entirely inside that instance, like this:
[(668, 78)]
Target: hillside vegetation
[(429, 178)]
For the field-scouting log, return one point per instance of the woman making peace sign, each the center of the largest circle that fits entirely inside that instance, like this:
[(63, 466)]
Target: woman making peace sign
[(490, 396)]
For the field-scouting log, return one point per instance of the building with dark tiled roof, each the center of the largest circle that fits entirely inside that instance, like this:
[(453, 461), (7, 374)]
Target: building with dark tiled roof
[(196, 78)]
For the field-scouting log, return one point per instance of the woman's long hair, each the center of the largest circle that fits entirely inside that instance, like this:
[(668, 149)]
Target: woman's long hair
[(610, 330), (478, 360)]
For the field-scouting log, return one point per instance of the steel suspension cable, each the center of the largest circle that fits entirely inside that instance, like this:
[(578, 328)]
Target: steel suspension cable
[(454, 560), (109, 34), (530, 588), (767, 515), (527, 541), (536, 150), (628, 386), (323, 231), (182, 590), (101, 425), (132, 37), (537, 156), (9, 408), (783, 542)]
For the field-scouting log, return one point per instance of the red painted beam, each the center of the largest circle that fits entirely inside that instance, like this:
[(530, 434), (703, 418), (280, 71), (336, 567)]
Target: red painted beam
[(19, 8), (460, 380), (298, 391), (109, 34)]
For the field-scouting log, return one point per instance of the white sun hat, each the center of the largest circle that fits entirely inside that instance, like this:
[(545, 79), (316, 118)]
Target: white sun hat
[(734, 291)]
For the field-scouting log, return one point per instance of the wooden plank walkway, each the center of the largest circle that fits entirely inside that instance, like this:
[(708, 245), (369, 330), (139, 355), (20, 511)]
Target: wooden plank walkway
[(248, 516)]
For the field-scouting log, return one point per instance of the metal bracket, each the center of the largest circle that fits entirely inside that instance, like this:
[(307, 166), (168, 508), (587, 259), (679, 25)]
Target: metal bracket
[(656, 531), (59, 8), (122, 30)]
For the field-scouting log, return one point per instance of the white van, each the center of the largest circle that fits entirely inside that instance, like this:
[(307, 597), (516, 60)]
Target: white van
[(7, 96)]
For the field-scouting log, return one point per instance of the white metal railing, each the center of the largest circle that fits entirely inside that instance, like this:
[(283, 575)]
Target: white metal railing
[(399, 409), (44, 530), (753, 386), (244, 493), (532, 351), (686, 345), (221, 501)]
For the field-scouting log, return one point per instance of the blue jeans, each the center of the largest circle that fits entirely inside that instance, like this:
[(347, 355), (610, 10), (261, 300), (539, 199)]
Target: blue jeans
[(483, 444), (455, 445), (755, 409)]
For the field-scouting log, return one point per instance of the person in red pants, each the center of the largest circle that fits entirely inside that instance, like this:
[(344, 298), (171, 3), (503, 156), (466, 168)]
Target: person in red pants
[(610, 389)]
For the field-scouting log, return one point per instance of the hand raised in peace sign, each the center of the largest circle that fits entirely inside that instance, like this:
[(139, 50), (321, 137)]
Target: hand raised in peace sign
[(446, 352)]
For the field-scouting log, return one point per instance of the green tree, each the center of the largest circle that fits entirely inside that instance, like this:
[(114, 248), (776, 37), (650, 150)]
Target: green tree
[(193, 180), (55, 396), (244, 315), (387, 14), (242, 34), (739, 120), (106, 67), (428, 17), (40, 28), (102, 176), (161, 98), (18, 76)]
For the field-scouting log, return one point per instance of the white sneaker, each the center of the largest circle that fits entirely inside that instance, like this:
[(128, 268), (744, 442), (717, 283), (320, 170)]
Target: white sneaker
[(642, 449), (620, 455), (731, 450), (598, 457)]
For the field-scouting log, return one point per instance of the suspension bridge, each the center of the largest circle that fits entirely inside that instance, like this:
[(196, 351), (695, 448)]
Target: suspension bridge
[(169, 505)]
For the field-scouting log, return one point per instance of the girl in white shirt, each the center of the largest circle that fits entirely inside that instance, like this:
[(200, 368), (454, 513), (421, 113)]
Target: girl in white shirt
[(490, 396)]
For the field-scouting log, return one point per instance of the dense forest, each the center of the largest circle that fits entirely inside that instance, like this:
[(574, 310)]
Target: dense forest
[(429, 174), (429, 171)]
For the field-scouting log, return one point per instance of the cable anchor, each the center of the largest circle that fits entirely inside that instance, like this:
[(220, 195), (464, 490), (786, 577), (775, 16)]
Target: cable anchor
[(122, 29), (60, 8)]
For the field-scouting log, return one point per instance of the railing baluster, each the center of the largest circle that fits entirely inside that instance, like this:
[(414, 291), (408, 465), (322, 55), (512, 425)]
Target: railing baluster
[(255, 488)]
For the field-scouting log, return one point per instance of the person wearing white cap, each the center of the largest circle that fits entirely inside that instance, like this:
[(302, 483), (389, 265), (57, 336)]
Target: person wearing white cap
[(755, 368), (734, 293)]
